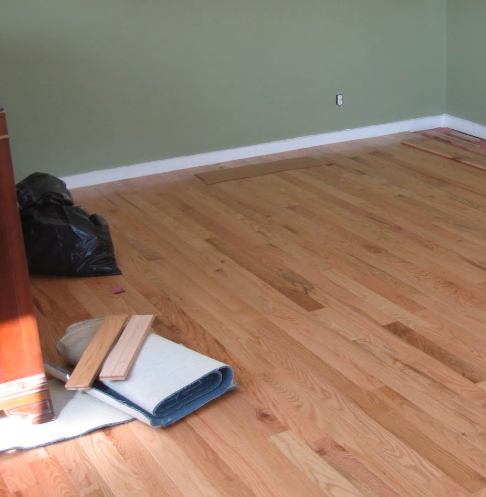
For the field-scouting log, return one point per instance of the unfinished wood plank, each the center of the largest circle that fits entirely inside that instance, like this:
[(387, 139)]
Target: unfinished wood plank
[(186, 475), (433, 146), (246, 259), (141, 463), (90, 363), (77, 465), (478, 151), (463, 136), (436, 351), (113, 468), (350, 466), (120, 359), (456, 444), (52, 478), (451, 139), (448, 151), (220, 175), (316, 468), (16, 474)]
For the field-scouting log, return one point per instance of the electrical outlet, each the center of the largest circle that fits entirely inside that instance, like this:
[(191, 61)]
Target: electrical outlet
[(339, 99)]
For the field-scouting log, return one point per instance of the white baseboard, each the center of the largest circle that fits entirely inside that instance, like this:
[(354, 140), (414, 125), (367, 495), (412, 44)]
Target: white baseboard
[(204, 159), (465, 126)]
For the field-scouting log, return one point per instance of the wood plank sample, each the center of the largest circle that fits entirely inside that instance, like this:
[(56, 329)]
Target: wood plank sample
[(90, 363), (120, 359), (220, 175)]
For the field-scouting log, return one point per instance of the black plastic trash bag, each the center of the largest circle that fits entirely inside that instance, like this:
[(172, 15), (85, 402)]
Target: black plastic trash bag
[(40, 189), (60, 238)]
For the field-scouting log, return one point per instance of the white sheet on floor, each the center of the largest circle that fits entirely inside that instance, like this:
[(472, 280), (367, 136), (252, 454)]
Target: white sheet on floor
[(77, 413)]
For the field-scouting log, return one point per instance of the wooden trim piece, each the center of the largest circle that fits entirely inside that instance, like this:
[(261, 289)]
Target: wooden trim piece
[(120, 359), (90, 363)]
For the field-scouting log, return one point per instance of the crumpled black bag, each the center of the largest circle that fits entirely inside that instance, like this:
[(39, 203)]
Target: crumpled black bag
[(60, 238), (41, 189)]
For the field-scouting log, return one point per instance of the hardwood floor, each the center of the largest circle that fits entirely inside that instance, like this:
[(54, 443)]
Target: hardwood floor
[(350, 299)]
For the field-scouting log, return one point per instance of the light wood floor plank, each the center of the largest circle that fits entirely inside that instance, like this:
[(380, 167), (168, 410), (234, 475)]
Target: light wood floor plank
[(315, 468)]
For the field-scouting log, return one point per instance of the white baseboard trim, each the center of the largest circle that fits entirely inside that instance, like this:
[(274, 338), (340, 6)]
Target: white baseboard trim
[(205, 159), (465, 126)]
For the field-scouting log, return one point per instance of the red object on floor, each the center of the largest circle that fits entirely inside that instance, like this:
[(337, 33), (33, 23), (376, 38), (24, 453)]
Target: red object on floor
[(117, 289)]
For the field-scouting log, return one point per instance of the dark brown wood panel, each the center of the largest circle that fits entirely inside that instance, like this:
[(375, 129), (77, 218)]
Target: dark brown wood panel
[(20, 353)]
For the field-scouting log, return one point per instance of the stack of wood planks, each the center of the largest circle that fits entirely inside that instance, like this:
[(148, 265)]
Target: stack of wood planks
[(453, 145), (112, 350)]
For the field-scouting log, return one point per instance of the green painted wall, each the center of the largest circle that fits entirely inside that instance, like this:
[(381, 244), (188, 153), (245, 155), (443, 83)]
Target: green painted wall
[(96, 84), (466, 59)]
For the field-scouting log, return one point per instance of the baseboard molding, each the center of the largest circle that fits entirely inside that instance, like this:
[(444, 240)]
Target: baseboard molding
[(465, 126), (204, 159)]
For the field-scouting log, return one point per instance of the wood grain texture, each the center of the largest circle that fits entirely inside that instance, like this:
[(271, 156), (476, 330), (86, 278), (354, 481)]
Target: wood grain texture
[(92, 359), (51, 477), (119, 361), (330, 481), (434, 350), (350, 300), (350, 466), (283, 283)]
